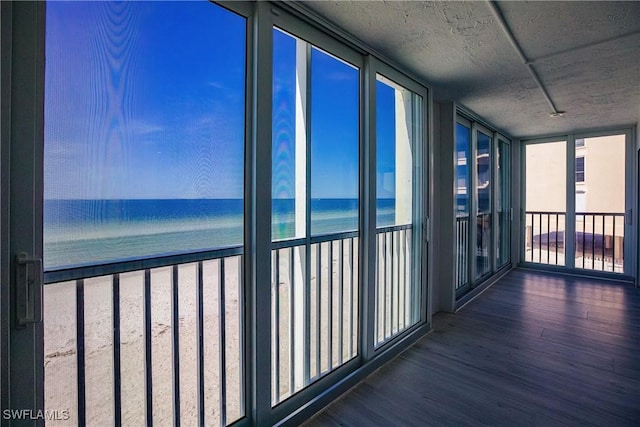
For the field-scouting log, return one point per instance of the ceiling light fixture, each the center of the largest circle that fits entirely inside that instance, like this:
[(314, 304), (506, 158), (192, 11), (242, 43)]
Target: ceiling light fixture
[(556, 114)]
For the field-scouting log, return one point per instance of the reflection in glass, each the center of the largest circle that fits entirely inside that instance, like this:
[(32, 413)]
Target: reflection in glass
[(463, 147), (398, 132), (289, 140), (503, 204), (394, 153), (313, 111), (483, 192)]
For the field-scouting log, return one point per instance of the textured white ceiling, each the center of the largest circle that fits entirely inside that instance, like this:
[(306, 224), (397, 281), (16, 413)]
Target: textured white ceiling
[(587, 54)]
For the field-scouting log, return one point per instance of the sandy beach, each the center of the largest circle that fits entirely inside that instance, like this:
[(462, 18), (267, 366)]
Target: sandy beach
[(61, 346)]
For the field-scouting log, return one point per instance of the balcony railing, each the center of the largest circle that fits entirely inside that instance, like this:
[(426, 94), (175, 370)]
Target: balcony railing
[(314, 309), (482, 252), (148, 344), (396, 292), (544, 237), (483, 244), (462, 253), (599, 239)]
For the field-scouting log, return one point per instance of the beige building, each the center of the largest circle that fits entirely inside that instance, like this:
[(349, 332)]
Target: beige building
[(599, 201), (600, 172)]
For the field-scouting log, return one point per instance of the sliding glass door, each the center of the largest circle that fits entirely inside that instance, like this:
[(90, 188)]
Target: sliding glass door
[(144, 173), (398, 292), (144, 212), (545, 210), (600, 203), (463, 201), (577, 202), (503, 202), (482, 205), (316, 212)]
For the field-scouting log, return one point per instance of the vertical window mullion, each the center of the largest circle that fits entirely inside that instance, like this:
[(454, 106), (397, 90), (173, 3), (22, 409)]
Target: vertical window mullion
[(308, 145), (261, 215), (570, 222), (368, 264), (308, 99), (498, 185), (473, 203)]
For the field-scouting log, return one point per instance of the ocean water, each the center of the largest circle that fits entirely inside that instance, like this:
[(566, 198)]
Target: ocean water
[(89, 232)]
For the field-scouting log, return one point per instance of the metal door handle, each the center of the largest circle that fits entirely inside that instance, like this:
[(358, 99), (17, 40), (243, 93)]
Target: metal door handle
[(28, 282), (426, 229)]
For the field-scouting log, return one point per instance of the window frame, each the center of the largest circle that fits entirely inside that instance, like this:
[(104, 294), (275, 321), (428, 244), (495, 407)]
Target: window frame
[(501, 139), (464, 271), (419, 200), (297, 27), (631, 198), (477, 129), (246, 10), (475, 125), (583, 171)]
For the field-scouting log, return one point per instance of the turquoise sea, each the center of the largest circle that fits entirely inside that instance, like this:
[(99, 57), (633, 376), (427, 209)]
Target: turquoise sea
[(89, 232)]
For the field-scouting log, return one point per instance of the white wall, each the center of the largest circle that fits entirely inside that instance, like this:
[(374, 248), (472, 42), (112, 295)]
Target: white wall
[(443, 259)]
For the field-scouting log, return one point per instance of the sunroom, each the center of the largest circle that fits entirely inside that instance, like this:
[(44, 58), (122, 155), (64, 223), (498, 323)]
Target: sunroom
[(232, 213)]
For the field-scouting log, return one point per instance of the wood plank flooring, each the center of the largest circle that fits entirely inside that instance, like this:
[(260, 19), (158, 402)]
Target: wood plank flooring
[(534, 349)]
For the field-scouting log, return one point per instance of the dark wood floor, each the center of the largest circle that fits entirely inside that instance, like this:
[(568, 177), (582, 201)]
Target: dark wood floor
[(534, 349)]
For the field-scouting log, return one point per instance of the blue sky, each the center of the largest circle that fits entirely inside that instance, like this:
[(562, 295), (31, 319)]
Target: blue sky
[(385, 141), (139, 105), (334, 122)]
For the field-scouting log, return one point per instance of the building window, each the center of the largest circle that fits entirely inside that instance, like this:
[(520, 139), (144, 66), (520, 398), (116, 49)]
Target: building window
[(579, 142), (579, 169)]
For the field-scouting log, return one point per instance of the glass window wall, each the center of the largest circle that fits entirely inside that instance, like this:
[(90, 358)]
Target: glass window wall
[(484, 209), (503, 205), (398, 132), (545, 202), (462, 192), (315, 199)]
